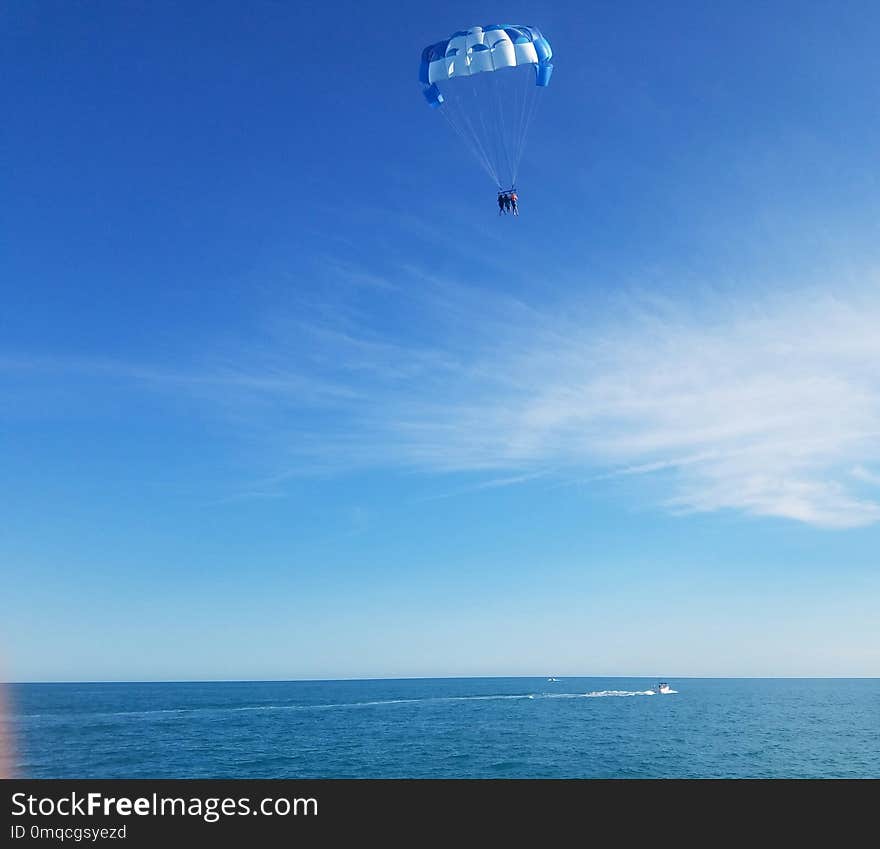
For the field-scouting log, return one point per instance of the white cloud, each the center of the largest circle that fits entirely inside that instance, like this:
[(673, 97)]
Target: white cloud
[(769, 406), (863, 474), (764, 407)]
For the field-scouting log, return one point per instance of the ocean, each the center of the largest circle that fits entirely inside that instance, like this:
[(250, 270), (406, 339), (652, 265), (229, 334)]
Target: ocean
[(448, 728)]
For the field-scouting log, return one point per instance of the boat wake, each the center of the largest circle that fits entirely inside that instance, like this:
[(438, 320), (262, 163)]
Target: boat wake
[(181, 713), (599, 694)]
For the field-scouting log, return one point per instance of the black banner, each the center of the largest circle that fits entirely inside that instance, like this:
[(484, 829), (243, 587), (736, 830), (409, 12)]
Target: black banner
[(129, 813)]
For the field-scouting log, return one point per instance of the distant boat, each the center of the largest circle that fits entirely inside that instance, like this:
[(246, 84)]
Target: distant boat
[(663, 689), (554, 680)]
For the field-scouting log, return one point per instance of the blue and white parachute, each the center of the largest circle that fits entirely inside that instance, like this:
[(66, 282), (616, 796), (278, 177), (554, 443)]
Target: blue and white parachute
[(484, 81)]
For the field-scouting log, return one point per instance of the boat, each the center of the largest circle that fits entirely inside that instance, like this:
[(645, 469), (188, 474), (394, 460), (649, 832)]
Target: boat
[(554, 680), (663, 689)]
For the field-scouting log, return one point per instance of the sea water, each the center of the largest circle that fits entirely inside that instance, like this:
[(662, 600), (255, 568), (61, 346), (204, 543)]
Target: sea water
[(448, 728)]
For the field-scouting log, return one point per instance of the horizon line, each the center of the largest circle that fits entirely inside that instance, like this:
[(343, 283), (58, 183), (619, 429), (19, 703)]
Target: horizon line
[(447, 678)]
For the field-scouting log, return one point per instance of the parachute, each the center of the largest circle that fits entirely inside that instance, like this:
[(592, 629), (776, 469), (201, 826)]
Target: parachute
[(484, 81)]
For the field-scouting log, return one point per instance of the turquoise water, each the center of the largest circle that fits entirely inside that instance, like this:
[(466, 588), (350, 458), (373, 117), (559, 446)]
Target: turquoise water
[(449, 728)]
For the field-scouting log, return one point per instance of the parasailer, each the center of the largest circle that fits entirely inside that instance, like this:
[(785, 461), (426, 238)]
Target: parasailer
[(485, 82)]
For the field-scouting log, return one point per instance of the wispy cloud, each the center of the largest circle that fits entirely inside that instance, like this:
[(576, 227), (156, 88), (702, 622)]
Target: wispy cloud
[(769, 406)]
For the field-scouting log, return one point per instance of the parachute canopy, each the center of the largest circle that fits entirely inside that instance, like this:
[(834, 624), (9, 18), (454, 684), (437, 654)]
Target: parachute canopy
[(484, 81)]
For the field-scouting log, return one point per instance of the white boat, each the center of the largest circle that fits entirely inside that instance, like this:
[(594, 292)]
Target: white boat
[(554, 680), (663, 689)]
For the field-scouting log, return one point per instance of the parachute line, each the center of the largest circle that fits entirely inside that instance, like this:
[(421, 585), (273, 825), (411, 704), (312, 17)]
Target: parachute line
[(530, 112), (469, 143), (487, 135)]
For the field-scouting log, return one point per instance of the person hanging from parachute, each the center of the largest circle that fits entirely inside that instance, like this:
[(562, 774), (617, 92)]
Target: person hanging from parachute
[(507, 202), (484, 81)]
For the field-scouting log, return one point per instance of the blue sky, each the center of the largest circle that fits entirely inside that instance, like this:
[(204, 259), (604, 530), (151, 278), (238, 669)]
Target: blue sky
[(281, 395)]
